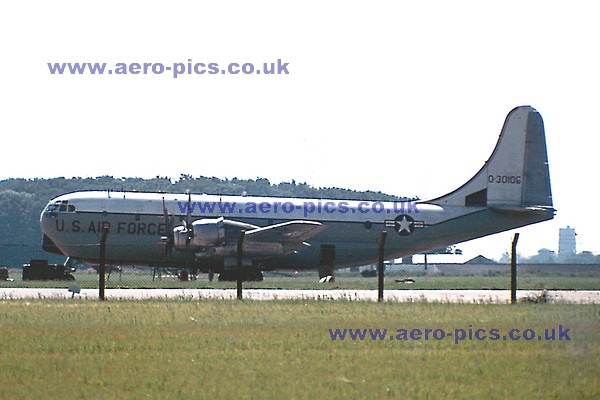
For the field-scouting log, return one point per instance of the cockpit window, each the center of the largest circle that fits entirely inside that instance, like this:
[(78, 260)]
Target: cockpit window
[(60, 206), (51, 207)]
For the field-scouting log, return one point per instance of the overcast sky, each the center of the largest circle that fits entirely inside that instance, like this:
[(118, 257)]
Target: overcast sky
[(403, 97)]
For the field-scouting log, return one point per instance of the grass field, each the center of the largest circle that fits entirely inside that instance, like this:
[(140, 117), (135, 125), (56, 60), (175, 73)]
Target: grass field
[(143, 279), (283, 350)]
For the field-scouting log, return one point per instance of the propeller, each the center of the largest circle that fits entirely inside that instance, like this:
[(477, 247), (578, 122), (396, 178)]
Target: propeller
[(168, 239), (189, 227)]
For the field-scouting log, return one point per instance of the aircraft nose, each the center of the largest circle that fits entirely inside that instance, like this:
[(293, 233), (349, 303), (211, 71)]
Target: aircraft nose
[(44, 216), (49, 246)]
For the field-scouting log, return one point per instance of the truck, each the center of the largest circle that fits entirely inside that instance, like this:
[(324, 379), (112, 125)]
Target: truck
[(4, 273), (40, 270)]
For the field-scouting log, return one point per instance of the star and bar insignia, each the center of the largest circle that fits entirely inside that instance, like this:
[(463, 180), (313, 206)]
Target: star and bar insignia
[(404, 224)]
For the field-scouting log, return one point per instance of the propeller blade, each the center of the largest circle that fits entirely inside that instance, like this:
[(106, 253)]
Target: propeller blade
[(168, 229), (165, 213), (189, 225), (189, 209)]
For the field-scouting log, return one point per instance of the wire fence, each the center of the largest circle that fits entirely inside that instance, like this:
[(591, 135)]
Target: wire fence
[(13, 273)]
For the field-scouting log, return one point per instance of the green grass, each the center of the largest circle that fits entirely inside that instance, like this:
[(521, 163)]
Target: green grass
[(282, 349), (143, 279)]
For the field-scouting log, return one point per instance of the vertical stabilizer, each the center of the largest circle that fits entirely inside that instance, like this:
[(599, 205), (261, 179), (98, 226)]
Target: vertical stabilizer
[(516, 174)]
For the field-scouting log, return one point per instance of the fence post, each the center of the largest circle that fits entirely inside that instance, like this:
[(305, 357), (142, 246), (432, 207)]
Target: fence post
[(513, 270), (240, 260), (380, 266), (102, 269)]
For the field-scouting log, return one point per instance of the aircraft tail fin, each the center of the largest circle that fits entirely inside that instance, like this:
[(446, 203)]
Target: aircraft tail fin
[(516, 175)]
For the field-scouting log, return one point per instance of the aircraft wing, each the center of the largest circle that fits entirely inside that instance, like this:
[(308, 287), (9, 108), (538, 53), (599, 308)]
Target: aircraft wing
[(286, 233)]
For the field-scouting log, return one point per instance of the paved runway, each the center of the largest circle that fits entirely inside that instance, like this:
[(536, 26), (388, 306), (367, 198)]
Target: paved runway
[(442, 296)]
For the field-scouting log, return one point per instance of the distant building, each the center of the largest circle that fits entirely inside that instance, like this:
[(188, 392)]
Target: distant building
[(480, 260), (567, 243)]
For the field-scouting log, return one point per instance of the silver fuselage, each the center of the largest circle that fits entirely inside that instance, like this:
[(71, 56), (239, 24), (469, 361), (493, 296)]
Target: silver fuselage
[(137, 223)]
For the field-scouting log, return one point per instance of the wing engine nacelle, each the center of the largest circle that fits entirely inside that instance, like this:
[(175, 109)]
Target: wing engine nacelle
[(206, 232)]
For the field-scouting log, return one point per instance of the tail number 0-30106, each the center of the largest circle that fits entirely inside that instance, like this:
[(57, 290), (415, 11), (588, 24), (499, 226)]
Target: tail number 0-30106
[(510, 179)]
